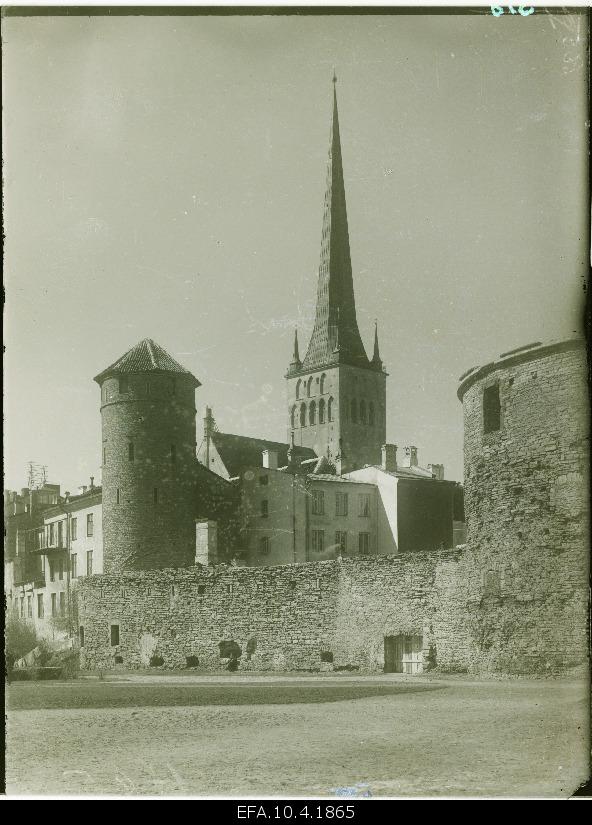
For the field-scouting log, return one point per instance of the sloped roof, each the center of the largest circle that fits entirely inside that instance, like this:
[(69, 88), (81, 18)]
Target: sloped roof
[(240, 451), (146, 356)]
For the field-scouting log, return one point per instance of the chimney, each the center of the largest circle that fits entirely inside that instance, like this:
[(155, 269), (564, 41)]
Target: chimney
[(389, 457), (409, 457), (67, 496), (437, 470), (92, 482), (270, 459), (206, 542)]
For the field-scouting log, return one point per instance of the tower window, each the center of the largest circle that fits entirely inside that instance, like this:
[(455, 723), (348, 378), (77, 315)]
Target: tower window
[(173, 453), (155, 495), (117, 501), (312, 413), (354, 411), (371, 414), (309, 386), (123, 384), (130, 451), (303, 414), (323, 382), (491, 409), (114, 635), (322, 411), (362, 412), (298, 388), (330, 410)]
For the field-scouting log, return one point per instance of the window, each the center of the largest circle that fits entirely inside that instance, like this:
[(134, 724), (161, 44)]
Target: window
[(318, 541), (51, 570), (364, 505), (89, 563), (60, 533), (104, 456), (491, 409), (54, 607), (264, 545), (74, 528), (114, 635), (81, 635), (362, 412), (264, 508), (322, 411), (323, 382), (52, 534), (61, 568), (318, 502), (312, 413), (130, 451), (74, 566), (364, 543), (123, 384), (341, 504), (29, 607), (62, 604), (309, 386), (89, 524), (117, 499), (330, 410), (173, 453), (40, 606), (354, 411), (341, 540), (298, 386), (22, 607), (303, 414), (263, 480), (155, 495), (371, 414)]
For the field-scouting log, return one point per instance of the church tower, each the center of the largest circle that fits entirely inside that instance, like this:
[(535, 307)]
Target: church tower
[(336, 395)]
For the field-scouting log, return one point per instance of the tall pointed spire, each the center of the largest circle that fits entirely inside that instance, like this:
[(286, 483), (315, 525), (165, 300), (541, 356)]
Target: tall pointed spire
[(335, 335), (295, 363), (376, 361)]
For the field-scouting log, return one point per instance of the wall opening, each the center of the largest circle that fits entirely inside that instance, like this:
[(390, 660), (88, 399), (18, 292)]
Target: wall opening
[(491, 409), (156, 660), (191, 661), (326, 656), (403, 654), (114, 635)]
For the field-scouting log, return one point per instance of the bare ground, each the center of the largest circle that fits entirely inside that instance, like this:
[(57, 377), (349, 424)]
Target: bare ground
[(237, 735)]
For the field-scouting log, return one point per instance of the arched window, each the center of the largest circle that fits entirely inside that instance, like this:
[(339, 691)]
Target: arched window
[(298, 386), (322, 411), (293, 417), (371, 414), (330, 410), (303, 414), (362, 412), (354, 411), (309, 386), (323, 382), (312, 413)]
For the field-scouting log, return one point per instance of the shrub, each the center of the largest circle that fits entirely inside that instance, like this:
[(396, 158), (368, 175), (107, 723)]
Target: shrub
[(21, 638)]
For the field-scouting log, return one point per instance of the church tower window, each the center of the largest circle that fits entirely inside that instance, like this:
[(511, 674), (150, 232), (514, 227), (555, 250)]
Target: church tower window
[(330, 410), (322, 411), (303, 414), (312, 413)]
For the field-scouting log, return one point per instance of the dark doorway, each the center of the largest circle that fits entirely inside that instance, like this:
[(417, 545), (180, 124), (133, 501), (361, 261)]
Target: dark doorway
[(403, 654)]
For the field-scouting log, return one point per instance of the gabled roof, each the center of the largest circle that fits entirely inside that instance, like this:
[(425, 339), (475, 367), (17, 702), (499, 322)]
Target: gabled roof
[(240, 451), (146, 356)]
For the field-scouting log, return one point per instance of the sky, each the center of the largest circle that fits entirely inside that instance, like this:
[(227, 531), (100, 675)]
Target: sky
[(164, 178)]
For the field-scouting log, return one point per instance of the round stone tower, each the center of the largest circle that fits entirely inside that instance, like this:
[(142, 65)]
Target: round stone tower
[(526, 452), (148, 461)]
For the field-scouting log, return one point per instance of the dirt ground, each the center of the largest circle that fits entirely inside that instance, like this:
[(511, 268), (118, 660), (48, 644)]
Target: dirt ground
[(309, 736)]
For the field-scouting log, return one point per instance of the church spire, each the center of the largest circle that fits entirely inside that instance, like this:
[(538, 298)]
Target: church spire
[(335, 336), (376, 362), (296, 363)]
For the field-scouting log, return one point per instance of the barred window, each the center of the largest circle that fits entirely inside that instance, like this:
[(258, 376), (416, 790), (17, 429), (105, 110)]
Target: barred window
[(318, 541), (264, 545), (318, 502), (341, 540), (364, 505), (264, 508), (341, 504)]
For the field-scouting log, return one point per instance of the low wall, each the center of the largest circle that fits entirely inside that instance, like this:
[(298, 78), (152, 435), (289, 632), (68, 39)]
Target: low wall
[(336, 614)]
